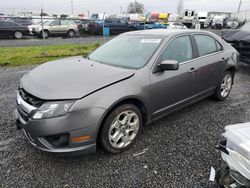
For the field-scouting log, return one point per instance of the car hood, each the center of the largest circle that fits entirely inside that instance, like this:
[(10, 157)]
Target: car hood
[(71, 78), (233, 35)]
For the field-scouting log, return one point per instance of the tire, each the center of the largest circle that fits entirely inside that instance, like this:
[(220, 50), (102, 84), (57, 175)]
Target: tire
[(131, 29), (18, 35), (224, 88), (122, 124), (45, 33), (71, 33)]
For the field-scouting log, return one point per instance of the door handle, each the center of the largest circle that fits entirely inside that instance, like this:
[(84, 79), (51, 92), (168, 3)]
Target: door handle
[(192, 70)]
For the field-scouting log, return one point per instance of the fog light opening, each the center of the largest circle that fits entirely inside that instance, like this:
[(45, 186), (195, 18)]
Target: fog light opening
[(58, 140)]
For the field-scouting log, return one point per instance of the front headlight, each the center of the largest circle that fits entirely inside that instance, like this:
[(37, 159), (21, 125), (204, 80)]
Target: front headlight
[(53, 109)]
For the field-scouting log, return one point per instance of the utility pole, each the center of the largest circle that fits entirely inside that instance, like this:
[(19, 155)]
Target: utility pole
[(45, 52), (72, 7), (120, 10), (239, 5)]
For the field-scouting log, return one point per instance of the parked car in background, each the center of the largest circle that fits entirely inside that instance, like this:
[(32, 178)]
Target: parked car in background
[(217, 22), (21, 21), (232, 23), (240, 40), (57, 27), (12, 29), (95, 27), (136, 78), (83, 25), (119, 25), (37, 24), (150, 25), (176, 25)]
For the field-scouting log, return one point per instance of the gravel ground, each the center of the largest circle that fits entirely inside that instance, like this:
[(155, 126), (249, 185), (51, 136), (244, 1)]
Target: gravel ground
[(180, 147)]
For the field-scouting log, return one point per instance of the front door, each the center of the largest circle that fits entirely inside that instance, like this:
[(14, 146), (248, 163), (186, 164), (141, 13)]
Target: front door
[(172, 89)]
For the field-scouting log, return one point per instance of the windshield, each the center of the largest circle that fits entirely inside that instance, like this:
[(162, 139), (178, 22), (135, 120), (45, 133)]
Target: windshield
[(127, 51), (246, 27)]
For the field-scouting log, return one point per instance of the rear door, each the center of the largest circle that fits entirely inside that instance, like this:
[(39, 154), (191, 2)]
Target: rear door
[(65, 26), (212, 61), (172, 89)]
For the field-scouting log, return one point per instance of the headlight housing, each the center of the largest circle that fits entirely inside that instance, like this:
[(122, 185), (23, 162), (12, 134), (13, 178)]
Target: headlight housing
[(53, 109)]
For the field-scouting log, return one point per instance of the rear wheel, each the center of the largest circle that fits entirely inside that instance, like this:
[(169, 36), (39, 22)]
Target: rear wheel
[(71, 33), (18, 34), (121, 128), (225, 86)]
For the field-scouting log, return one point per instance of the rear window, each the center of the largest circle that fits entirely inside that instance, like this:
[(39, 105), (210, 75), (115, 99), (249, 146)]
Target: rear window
[(219, 47), (206, 44)]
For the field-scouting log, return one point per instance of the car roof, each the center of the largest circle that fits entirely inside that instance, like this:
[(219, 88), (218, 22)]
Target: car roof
[(166, 32)]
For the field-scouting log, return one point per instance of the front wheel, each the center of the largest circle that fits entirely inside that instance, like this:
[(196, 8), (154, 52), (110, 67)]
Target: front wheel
[(225, 86), (121, 128), (18, 35), (44, 34)]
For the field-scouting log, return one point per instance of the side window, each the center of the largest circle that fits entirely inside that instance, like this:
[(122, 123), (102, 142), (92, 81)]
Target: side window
[(219, 47), (55, 23), (64, 22), (206, 44), (9, 24), (180, 49)]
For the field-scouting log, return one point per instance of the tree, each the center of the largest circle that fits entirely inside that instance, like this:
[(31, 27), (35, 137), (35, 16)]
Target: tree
[(135, 7)]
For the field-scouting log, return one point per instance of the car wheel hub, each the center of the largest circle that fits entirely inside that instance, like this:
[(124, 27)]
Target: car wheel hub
[(123, 129), (18, 35), (226, 85)]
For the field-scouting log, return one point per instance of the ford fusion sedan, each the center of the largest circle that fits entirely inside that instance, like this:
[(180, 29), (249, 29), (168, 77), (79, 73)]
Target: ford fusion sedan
[(105, 98)]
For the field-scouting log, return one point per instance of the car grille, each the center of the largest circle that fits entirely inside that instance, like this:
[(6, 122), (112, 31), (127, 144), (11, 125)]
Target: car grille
[(244, 49), (30, 99)]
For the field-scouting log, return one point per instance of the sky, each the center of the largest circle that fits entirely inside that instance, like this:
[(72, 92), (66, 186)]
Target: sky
[(114, 6)]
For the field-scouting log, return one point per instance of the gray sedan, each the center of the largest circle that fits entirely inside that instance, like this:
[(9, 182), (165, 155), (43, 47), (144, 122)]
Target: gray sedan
[(138, 77)]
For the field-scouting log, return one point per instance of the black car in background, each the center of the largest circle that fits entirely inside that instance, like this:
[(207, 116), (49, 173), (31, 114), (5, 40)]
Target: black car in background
[(240, 40), (21, 21), (12, 29), (119, 25)]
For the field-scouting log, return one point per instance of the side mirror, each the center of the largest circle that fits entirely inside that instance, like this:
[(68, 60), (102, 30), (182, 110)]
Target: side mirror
[(169, 65)]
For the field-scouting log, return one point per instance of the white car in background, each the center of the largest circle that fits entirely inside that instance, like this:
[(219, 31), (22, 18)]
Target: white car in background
[(176, 25)]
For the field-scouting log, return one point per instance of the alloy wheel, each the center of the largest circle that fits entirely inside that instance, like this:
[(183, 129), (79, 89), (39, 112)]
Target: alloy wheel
[(124, 129), (226, 85), (18, 35)]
